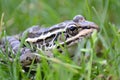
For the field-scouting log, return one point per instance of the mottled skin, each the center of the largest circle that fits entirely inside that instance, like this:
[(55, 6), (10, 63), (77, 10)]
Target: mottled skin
[(66, 33)]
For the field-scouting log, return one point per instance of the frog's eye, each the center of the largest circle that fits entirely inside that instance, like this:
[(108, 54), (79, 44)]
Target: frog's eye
[(72, 30)]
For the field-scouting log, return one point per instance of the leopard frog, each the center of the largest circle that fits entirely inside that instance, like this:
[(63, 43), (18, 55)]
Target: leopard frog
[(67, 33)]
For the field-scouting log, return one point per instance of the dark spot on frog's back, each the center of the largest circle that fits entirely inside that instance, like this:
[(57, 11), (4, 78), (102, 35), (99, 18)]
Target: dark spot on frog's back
[(33, 35), (55, 27), (50, 38), (40, 41)]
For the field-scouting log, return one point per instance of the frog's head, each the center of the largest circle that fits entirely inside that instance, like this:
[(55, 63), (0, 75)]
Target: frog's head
[(78, 29)]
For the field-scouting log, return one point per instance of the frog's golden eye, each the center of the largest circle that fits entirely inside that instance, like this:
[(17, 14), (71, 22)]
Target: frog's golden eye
[(72, 30)]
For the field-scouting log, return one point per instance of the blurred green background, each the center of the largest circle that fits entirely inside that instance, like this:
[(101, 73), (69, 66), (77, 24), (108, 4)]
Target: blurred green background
[(18, 15), (21, 14)]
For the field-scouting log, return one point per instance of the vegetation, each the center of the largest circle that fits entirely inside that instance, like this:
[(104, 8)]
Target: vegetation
[(99, 55)]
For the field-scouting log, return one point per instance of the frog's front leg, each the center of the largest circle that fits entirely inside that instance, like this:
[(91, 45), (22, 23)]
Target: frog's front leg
[(26, 55)]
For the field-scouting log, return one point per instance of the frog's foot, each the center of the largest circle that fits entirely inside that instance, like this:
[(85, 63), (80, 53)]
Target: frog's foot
[(27, 58)]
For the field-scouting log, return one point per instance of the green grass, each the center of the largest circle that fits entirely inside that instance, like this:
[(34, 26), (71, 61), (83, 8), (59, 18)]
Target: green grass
[(100, 55)]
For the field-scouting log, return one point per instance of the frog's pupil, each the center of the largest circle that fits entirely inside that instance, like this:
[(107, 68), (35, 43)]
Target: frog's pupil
[(72, 28)]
